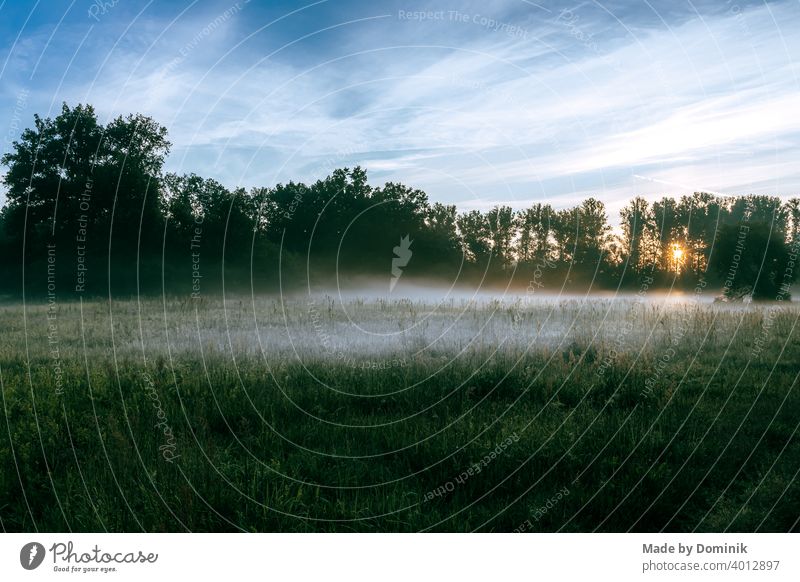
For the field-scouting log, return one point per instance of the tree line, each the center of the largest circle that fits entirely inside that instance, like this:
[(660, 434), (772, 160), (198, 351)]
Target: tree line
[(89, 209)]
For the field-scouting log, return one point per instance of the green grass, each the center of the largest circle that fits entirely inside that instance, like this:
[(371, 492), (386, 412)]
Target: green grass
[(581, 393)]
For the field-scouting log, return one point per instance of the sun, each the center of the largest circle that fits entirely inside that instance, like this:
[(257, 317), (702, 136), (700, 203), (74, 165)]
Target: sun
[(677, 257)]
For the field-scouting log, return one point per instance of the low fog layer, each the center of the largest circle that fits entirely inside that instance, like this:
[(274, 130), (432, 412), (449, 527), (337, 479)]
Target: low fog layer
[(435, 293), (373, 331)]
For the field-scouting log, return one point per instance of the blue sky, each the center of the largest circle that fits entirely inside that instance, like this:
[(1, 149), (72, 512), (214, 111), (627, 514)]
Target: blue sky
[(478, 103)]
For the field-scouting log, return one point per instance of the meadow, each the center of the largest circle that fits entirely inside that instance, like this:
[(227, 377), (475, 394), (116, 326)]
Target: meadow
[(331, 413)]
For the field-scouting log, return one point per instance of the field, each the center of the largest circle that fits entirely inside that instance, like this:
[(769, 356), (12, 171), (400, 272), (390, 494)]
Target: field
[(321, 414)]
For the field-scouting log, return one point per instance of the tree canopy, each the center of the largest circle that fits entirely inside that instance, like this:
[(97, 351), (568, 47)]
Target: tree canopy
[(90, 206)]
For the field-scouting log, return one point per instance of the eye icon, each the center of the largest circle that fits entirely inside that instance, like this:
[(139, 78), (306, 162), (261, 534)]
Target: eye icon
[(31, 555)]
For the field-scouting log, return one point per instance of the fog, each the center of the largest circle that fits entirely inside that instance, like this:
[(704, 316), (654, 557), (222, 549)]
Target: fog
[(433, 293), (370, 326)]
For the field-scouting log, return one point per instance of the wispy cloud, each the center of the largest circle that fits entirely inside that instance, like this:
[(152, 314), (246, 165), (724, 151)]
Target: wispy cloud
[(572, 102)]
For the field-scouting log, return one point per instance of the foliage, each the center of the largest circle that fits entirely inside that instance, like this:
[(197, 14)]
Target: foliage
[(77, 188)]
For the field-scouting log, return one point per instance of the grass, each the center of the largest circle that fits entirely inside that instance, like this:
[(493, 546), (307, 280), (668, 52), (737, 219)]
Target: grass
[(269, 415)]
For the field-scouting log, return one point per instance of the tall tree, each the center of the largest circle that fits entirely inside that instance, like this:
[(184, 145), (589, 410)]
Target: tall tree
[(793, 212), (636, 220), (475, 232), (501, 226), (534, 225), (594, 232), (753, 259), (666, 229), (49, 168), (566, 225), (700, 213), (438, 243), (86, 189)]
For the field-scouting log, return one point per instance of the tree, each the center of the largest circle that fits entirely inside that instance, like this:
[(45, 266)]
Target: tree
[(475, 234), (793, 212), (501, 227), (49, 168), (701, 214), (754, 208), (566, 225), (441, 221), (208, 225), (534, 225), (753, 259), (666, 229), (593, 232), (636, 220), (438, 244), (88, 190)]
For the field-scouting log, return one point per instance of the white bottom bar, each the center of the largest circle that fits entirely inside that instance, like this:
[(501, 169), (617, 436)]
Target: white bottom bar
[(402, 557)]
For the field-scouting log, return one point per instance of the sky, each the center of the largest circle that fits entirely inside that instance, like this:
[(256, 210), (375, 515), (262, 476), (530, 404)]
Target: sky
[(477, 103)]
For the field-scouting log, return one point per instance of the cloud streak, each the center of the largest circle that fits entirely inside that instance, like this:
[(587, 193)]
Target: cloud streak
[(584, 101)]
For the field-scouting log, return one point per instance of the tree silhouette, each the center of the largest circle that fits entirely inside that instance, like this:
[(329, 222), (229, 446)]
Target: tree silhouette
[(535, 225), (476, 237), (91, 192), (635, 223), (100, 191), (501, 227), (753, 259)]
